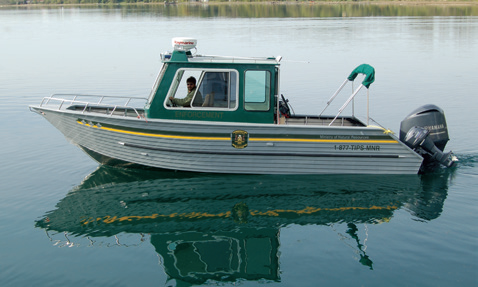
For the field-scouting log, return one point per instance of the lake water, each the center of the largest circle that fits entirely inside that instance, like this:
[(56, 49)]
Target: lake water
[(69, 221)]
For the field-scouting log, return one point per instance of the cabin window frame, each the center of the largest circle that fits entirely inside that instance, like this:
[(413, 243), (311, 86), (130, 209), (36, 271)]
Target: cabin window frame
[(232, 88), (156, 84), (253, 106)]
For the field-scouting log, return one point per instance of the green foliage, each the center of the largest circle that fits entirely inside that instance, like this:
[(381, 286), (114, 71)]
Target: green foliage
[(79, 2)]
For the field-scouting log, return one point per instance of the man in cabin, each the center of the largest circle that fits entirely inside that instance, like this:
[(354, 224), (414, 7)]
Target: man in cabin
[(186, 102)]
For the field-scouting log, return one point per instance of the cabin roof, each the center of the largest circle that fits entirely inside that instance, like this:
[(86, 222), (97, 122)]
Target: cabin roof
[(173, 57), (233, 59)]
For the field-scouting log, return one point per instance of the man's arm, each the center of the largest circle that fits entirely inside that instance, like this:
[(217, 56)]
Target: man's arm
[(186, 102)]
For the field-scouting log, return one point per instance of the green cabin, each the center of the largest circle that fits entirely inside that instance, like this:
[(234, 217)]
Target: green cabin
[(227, 89)]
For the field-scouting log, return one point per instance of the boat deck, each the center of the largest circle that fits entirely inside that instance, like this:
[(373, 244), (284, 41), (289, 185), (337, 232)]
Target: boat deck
[(322, 121), (293, 120), (124, 106)]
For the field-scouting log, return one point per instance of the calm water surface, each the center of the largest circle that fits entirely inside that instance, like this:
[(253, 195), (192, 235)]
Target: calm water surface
[(69, 221)]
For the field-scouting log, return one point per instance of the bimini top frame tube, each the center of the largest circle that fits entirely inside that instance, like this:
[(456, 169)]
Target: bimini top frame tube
[(369, 73)]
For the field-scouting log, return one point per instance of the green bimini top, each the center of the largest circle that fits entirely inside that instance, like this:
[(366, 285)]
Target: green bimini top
[(365, 69)]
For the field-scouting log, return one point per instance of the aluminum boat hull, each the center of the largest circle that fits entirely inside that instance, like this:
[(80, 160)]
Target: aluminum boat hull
[(202, 146)]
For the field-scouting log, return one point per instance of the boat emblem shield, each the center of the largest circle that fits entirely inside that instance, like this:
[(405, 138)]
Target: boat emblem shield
[(239, 139)]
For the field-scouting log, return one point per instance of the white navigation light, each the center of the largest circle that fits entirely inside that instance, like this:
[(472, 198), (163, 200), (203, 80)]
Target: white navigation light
[(184, 44)]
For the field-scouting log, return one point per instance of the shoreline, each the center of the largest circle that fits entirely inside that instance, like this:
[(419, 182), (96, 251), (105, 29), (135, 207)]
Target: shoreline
[(320, 2)]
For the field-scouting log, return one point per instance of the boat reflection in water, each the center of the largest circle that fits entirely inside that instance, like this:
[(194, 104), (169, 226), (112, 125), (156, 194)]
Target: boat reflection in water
[(227, 227)]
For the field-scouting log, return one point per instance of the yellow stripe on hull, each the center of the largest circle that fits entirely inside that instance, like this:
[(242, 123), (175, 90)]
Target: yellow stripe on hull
[(391, 141)]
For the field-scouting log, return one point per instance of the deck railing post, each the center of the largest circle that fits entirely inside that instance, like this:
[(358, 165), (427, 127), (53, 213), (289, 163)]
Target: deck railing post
[(368, 106), (277, 109)]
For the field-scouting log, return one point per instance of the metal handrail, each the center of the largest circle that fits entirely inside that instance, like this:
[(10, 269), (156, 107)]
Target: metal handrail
[(57, 98)]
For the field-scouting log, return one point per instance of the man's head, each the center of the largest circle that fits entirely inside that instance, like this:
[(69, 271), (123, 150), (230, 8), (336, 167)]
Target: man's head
[(191, 83)]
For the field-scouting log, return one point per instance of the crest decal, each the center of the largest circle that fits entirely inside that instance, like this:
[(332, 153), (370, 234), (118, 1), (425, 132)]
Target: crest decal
[(239, 139)]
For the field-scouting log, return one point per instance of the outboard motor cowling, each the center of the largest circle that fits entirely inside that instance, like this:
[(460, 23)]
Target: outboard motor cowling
[(425, 131)]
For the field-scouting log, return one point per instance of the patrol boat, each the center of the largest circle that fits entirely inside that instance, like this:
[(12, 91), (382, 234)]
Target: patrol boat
[(236, 121)]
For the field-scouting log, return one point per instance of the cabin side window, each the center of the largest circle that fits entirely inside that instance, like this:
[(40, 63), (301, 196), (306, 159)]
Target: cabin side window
[(257, 90), (214, 89)]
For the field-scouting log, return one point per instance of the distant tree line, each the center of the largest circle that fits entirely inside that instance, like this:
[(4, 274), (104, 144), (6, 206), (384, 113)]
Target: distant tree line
[(252, 10), (25, 2), (114, 2)]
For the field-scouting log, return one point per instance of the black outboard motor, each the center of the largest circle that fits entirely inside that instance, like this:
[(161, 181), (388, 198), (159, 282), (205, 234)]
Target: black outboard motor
[(425, 131)]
